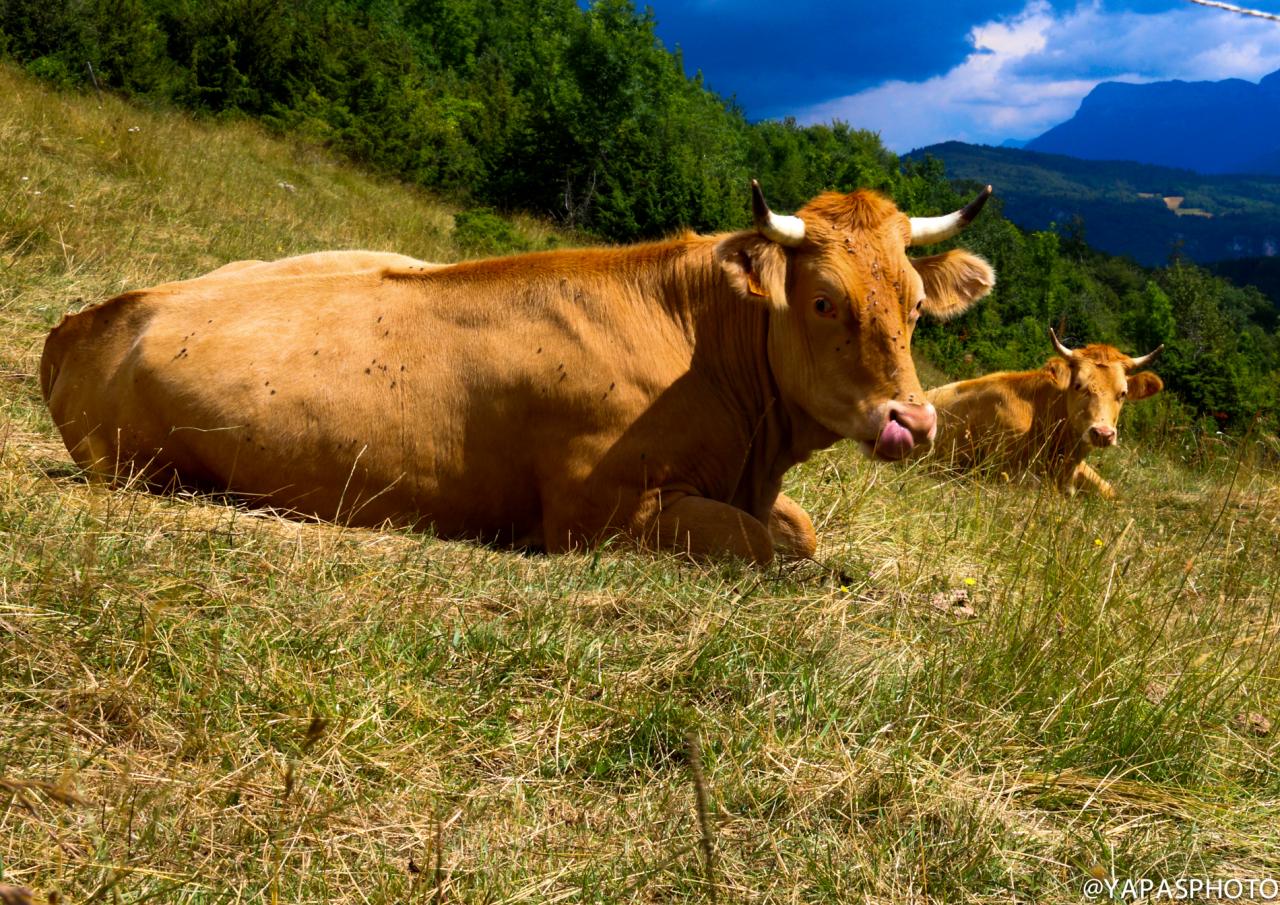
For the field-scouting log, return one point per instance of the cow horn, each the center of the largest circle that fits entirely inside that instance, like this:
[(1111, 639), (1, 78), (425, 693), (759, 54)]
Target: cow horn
[(927, 230), (1059, 347), (1143, 359), (781, 229)]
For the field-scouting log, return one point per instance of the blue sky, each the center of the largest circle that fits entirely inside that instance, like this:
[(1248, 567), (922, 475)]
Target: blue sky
[(929, 70)]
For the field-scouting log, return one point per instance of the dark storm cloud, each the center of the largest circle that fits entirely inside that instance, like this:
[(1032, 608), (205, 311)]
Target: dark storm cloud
[(927, 71)]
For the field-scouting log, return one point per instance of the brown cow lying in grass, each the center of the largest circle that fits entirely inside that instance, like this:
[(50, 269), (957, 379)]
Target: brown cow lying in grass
[(551, 400), (1049, 419)]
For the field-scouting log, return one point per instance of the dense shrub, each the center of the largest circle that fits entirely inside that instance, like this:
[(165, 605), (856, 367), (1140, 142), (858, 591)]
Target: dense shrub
[(482, 232)]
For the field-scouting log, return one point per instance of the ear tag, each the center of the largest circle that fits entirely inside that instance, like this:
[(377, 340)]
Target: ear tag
[(754, 287)]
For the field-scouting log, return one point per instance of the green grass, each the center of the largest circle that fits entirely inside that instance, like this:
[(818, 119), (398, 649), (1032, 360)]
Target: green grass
[(981, 693)]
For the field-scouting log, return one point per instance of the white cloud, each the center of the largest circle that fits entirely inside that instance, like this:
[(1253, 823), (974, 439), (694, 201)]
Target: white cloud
[(1022, 36), (1028, 73)]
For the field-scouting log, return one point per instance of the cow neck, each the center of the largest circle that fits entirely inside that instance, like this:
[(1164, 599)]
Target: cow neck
[(680, 282), (1053, 430), (728, 338)]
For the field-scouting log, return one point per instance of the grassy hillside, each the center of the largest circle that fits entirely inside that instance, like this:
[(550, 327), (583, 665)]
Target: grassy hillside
[(981, 692), (1123, 204)]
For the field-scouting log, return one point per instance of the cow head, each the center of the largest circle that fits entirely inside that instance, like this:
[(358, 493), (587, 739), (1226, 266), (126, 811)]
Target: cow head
[(845, 298), (1097, 380)]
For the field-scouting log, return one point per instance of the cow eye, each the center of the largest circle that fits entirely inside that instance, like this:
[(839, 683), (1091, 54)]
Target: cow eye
[(822, 305), (1124, 393)]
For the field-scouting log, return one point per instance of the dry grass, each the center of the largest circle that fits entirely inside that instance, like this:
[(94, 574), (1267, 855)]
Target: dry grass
[(983, 693)]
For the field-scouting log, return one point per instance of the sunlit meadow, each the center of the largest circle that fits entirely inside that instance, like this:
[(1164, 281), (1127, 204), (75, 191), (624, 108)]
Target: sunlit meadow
[(980, 691)]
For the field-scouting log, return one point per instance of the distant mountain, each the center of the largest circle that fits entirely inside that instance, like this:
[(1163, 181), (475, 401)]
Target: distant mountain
[(1133, 209), (1232, 126), (1014, 143)]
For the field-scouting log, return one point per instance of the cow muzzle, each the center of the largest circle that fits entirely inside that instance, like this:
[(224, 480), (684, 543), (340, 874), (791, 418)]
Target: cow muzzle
[(905, 427), (1102, 435)]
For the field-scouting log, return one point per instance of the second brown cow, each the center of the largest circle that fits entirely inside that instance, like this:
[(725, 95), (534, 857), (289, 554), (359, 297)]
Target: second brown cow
[(1047, 420)]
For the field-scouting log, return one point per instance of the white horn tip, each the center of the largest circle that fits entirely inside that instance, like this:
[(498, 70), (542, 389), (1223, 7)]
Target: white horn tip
[(782, 229), (790, 230), (928, 230)]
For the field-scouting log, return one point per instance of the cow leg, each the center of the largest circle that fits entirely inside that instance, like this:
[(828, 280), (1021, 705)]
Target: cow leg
[(1084, 478), (791, 529), (704, 528)]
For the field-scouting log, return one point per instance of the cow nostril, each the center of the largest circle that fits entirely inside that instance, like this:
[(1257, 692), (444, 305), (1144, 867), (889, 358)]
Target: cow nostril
[(918, 419)]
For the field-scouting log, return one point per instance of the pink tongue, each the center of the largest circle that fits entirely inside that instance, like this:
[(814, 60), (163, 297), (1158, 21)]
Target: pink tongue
[(895, 441)]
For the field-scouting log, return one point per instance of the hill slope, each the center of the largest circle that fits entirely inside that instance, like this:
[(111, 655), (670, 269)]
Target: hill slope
[(1140, 210), (572, 111), (1232, 126), (984, 691)]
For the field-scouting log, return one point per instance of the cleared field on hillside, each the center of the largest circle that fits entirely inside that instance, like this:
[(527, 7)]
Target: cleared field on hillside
[(982, 692)]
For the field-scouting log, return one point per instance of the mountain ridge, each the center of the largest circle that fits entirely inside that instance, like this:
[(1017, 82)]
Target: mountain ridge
[(1227, 126), (1141, 210)]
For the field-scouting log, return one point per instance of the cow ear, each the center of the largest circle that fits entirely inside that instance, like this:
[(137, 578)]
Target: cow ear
[(953, 281), (756, 267), (1144, 384), (1059, 371)]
